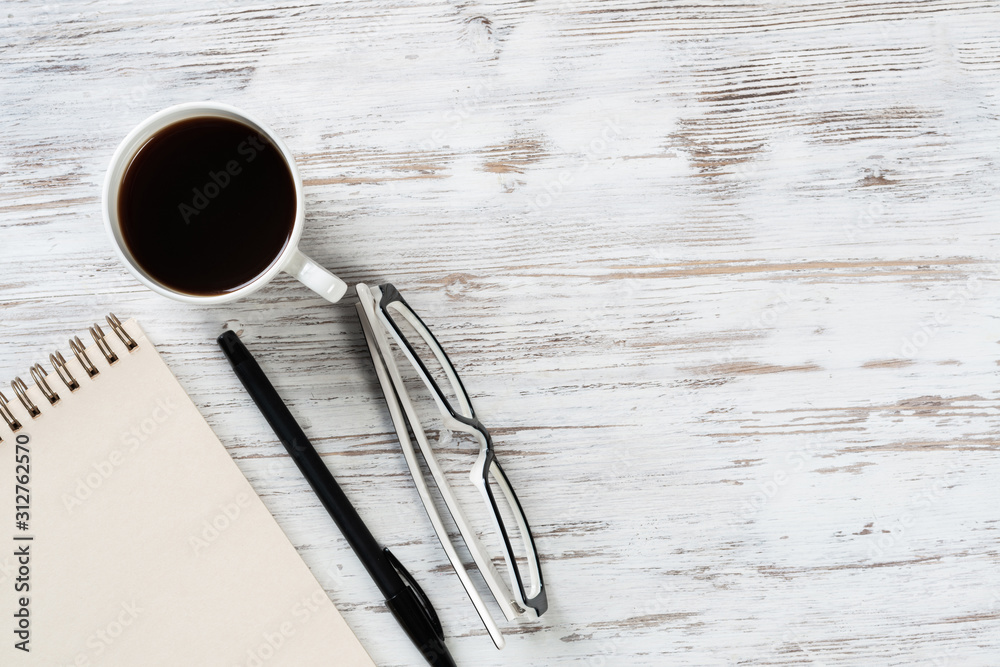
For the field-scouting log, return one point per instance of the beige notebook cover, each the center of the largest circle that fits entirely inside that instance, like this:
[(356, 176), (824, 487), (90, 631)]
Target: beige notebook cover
[(147, 547)]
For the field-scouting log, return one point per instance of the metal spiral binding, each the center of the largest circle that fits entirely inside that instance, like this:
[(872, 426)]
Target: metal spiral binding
[(58, 361), (102, 344), (21, 390), (8, 416), (38, 374), (81, 355), (123, 335)]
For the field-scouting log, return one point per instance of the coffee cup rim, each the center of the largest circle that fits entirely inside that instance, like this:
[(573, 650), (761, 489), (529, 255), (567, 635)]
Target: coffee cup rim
[(129, 147)]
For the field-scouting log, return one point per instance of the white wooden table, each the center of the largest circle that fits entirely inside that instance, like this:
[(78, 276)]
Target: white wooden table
[(721, 276)]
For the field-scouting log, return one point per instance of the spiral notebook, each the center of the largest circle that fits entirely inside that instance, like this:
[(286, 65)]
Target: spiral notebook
[(130, 538)]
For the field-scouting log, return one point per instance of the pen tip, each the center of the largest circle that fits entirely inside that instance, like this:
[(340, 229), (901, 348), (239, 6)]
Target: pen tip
[(232, 346)]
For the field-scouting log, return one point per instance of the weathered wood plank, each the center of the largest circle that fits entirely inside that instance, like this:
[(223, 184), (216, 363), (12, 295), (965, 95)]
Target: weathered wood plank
[(722, 276)]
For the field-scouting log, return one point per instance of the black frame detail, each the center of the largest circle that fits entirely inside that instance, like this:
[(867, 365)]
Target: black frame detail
[(391, 295)]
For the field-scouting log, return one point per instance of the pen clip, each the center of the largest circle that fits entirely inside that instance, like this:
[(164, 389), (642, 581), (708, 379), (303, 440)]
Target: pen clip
[(424, 602)]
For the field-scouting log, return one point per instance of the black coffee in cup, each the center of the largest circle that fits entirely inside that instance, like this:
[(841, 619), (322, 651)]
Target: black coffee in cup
[(206, 205)]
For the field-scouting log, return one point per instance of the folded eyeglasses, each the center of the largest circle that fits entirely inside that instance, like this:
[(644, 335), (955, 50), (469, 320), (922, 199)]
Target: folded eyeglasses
[(400, 343)]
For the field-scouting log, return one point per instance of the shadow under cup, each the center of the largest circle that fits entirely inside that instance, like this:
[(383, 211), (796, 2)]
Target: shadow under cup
[(206, 206)]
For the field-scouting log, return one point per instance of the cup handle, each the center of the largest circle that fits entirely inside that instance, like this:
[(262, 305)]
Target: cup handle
[(314, 276)]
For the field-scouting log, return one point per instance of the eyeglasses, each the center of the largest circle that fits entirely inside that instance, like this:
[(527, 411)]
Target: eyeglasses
[(396, 338)]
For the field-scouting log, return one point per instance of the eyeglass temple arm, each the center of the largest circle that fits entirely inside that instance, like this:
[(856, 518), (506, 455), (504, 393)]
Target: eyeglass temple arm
[(400, 424)]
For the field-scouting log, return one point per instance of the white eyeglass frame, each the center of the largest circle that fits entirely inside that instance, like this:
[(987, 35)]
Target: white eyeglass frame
[(534, 599), (377, 331)]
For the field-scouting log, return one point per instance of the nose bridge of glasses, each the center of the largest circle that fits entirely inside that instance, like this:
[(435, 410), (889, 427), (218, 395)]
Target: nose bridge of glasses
[(470, 425)]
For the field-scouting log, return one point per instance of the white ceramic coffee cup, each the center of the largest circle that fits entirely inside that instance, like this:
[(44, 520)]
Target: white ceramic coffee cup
[(291, 260)]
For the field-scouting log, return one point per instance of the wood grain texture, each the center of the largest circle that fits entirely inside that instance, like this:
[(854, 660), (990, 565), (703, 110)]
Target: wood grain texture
[(722, 276)]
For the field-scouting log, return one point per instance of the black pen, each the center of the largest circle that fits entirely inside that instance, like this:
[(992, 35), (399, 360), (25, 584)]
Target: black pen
[(403, 595)]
